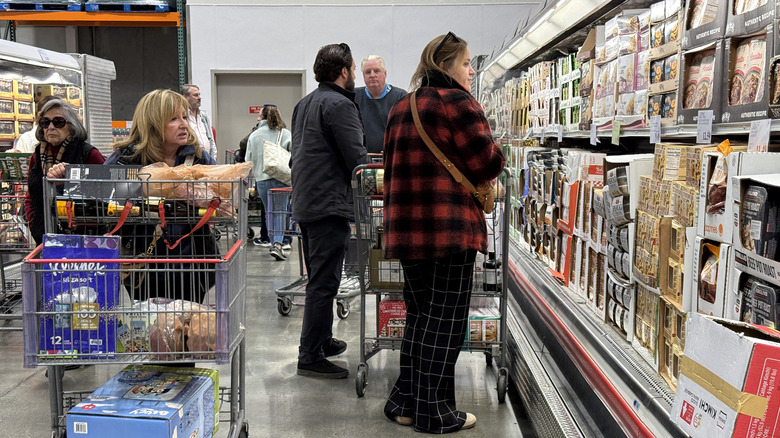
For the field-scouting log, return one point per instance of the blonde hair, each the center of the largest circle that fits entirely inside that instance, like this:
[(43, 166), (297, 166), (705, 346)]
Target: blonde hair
[(152, 113), (439, 60), (373, 58)]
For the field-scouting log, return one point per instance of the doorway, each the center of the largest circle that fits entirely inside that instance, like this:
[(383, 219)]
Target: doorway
[(236, 91)]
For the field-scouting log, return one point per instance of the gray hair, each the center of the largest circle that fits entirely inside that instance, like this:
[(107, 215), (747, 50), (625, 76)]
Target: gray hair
[(185, 89), (373, 58), (77, 129)]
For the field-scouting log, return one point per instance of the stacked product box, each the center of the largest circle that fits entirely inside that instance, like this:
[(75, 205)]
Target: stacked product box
[(586, 58), (633, 73), (747, 61), (80, 295), (705, 22), (540, 81), (147, 400), (621, 198), (663, 62), (701, 89), (569, 83), (16, 108)]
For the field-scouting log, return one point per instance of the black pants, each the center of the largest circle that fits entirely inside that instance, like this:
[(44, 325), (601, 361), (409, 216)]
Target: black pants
[(437, 294), (324, 246)]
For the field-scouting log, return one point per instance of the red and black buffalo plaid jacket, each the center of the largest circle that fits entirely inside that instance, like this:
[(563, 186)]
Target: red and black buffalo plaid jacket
[(427, 213)]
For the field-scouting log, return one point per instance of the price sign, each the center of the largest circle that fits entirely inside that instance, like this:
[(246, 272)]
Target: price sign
[(594, 139), (759, 135), (704, 127), (616, 125), (655, 129)]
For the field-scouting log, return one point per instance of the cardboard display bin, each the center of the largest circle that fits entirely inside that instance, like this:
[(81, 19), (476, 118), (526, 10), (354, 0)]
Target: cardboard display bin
[(727, 385), (702, 70), (747, 62), (742, 22), (705, 22)]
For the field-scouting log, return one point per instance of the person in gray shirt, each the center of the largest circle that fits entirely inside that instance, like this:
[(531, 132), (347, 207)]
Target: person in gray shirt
[(375, 101)]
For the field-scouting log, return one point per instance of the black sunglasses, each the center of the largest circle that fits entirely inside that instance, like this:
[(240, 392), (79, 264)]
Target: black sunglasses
[(444, 40), (59, 122)]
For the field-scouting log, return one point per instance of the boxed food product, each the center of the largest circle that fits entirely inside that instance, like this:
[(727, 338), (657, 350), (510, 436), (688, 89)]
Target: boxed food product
[(7, 109), (710, 281), (657, 12), (727, 383), (385, 273), (760, 302), (483, 330), (79, 293), (657, 35), (23, 110), (657, 69), (677, 247), (671, 65), (642, 71), (627, 44), (671, 29), (709, 60), (684, 199), (23, 90), (669, 161), (670, 104), (74, 96), (705, 22), (675, 281), (150, 401), (655, 105), (748, 62), (392, 318), (643, 44), (626, 73), (753, 235), (58, 91), (21, 127), (6, 88), (669, 343), (745, 17)]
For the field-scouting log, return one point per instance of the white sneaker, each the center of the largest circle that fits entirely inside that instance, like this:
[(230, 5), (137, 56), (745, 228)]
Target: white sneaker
[(286, 247)]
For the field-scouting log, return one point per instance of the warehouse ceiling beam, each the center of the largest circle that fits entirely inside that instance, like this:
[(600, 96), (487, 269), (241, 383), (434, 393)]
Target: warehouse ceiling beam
[(102, 18)]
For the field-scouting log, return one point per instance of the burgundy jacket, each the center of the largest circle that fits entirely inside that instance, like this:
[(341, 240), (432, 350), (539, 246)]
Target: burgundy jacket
[(427, 213)]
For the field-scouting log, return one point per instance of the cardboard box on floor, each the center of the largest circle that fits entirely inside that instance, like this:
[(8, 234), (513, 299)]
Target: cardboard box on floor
[(728, 384)]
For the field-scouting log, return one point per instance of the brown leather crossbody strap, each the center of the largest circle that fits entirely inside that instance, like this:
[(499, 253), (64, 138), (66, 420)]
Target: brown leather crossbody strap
[(438, 153)]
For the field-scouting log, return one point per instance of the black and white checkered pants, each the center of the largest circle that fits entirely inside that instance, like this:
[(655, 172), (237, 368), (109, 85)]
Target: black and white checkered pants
[(437, 294)]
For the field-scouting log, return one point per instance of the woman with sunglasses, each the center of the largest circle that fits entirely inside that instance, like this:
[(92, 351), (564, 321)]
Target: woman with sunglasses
[(62, 140), (435, 227)]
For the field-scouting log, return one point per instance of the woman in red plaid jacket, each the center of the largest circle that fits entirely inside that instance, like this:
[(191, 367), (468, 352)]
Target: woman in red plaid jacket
[(435, 227)]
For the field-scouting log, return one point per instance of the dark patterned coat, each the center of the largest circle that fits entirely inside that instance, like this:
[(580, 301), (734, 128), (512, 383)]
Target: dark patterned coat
[(427, 213)]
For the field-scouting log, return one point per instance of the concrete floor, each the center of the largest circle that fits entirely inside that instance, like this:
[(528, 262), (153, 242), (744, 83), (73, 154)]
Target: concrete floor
[(280, 403)]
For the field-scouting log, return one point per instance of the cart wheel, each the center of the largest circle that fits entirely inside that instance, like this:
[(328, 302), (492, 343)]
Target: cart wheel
[(250, 233), (284, 305), (502, 385), (489, 358), (244, 431), (361, 380), (217, 233), (342, 309)]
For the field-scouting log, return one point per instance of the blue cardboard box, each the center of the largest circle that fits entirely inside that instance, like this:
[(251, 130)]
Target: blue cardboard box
[(79, 293), (150, 401)]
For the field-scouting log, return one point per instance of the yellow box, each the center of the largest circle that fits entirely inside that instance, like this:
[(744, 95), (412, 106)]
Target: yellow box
[(22, 126), (6, 88), (57, 91), (7, 129), (24, 110), (6, 109), (23, 90), (74, 96)]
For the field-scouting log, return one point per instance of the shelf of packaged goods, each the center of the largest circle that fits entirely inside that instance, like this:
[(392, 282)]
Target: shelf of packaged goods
[(636, 397), (677, 131), (72, 18)]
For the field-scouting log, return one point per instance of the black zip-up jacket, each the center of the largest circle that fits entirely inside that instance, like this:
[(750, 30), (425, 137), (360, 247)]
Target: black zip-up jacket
[(327, 145)]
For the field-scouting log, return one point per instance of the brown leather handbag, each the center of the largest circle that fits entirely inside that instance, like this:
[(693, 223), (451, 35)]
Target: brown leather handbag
[(483, 193)]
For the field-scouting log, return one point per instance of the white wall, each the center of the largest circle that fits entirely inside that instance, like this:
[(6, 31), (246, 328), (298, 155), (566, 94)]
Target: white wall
[(288, 37)]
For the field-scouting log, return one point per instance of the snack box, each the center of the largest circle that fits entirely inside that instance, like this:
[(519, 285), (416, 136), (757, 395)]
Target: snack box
[(79, 293), (143, 400), (58, 91), (483, 330), (392, 318), (23, 90), (23, 110), (7, 109), (727, 386)]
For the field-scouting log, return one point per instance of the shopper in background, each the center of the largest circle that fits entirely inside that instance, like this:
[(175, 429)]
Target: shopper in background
[(161, 133), (272, 128), (435, 227), (264, 241), (375, 100), (327, 144), (62, 140), (27, 142), (199, 121)]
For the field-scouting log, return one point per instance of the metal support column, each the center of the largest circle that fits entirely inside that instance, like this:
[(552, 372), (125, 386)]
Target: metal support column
[(182, 49)]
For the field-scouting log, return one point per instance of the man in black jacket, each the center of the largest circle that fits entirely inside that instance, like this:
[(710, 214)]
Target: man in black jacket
[(327, 144)]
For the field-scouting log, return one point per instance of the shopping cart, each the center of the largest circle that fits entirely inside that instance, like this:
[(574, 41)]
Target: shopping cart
[(381, 283), (15, 238), (255, 209), (101, 308), (281, 224)]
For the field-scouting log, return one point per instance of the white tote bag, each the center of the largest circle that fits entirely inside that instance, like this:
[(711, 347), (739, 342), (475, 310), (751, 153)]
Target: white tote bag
[(276, 160)]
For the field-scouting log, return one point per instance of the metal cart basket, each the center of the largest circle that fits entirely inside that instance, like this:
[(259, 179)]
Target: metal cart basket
[(381, 283), (109, 308)]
